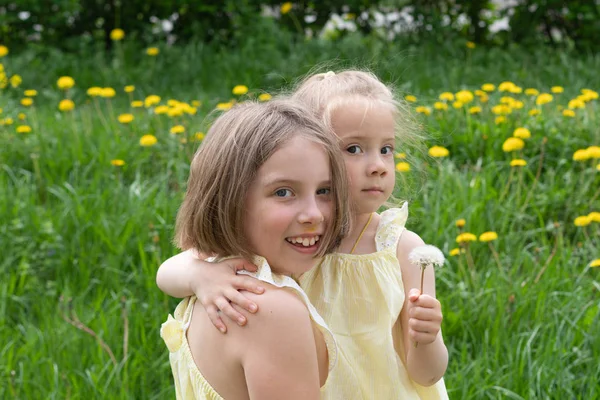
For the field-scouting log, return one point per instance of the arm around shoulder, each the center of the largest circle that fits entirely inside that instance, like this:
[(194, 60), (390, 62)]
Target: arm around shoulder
[(174, 276), (280, 353), (421, 316)]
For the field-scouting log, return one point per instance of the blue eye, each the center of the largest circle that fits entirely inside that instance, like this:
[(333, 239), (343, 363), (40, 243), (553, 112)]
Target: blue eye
[(354, 149), (283, 193), (324, 191), (387, 150)]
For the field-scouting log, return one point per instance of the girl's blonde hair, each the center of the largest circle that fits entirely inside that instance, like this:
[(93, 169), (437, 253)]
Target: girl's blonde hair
[(326, 92), (211, 218)]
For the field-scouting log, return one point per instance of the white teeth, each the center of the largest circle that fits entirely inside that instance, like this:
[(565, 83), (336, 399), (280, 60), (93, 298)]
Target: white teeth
[(304, 241)]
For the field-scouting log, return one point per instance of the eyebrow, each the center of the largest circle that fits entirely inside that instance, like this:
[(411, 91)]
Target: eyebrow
[(359, 137), (281, 181)]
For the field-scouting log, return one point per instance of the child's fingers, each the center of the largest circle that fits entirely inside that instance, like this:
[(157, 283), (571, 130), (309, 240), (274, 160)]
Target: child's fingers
[(249, 284), (413, 294), (425, 314), (238, 264), (225, 307), (240, 300), (213, 315), (419, 326)]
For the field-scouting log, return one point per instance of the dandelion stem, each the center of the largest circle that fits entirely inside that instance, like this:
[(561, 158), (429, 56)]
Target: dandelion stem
[(496, 257), (537, 175), (422, 276), (505, 190), (552, 253)]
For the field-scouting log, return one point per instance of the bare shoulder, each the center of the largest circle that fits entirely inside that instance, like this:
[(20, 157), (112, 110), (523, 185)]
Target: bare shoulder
[(407, 242)]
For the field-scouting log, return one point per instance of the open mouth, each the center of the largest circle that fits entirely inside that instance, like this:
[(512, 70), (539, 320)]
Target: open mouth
[(303, 241)]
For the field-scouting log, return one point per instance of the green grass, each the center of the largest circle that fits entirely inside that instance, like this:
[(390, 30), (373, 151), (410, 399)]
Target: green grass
[(82, 239)]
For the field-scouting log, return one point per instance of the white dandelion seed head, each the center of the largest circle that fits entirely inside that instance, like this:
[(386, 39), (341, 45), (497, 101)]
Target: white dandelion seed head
[(426, 255)]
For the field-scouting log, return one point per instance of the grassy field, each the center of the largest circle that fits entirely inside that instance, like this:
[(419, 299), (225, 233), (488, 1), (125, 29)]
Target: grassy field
[(81, 238)]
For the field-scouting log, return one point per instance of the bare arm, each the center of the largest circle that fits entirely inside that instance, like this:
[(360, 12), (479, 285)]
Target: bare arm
[(215, 284), (421, 318), (280, 353)]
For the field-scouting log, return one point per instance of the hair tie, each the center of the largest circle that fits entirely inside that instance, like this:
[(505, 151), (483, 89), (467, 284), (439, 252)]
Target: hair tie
[(328, 74)]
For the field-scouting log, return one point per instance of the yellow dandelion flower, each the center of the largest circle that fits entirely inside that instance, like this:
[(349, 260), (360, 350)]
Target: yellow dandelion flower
[(151, 100), (576, 103), (590, 94), (175, 112), (224, 106), (501, 109), (470, 45), (129, 88), (148, 140), (464, 96), (515, 89), (438, 105), (598, 167), (581, 155), (66, 105), (22, 116), (507, 100), (512, 144), (137, 104), (488, 236), (152, 51), (595, 263), (475, 110), (196, 103), (557, 89), (488, 87), (177, 129), (522, 133), (594, 151), (3, 51), (484, 99), (30, 93), (518, 163), (125, 118), (410, 98), (500, 120), (594, 216), (403, 167), (16, 80), (117, 163), (400, 156), (285, 8), (117, 34), (466, 237), (446, 96), (568, 113), (582, 220), (505, 86), (454, 252), (199, 135), (423, 110), (240, 90), (23, 129), (107, 92), (543, 98), (94, 91), (264, 97), (535, 111), (8, 121), (480, 93), (161, 110), (26, 102), (65, 82), (460, 223), (457, 104), (531, 92), (517, 105), (438, 152), (173, 103)]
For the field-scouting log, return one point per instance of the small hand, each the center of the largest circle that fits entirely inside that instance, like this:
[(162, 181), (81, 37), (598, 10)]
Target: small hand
[(220, 290), (424, 317)]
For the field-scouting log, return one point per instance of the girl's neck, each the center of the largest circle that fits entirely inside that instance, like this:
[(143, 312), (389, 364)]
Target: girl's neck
[(359, 224)]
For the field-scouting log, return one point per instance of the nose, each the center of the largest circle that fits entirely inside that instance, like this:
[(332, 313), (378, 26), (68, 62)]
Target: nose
[(311, 213), (376, 165)]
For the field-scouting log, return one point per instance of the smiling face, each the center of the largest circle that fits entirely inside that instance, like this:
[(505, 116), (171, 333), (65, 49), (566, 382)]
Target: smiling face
[(368, 141), (289, 206)]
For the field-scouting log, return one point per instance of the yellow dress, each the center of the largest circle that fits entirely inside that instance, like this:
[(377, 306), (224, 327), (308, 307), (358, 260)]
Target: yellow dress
[(360, 298), (189, 381)]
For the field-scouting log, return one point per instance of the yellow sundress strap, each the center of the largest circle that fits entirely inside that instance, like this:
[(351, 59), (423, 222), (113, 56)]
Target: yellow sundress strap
[(361, 233)]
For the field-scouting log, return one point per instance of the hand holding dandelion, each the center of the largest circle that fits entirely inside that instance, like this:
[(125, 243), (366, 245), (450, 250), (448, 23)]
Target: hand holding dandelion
[(429, 307)]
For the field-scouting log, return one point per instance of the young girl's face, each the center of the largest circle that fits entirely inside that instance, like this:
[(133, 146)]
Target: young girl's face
[(289, 206), (367, 136)]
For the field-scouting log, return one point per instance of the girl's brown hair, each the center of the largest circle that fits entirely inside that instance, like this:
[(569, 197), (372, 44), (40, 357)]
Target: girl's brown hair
[(238, 143)]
